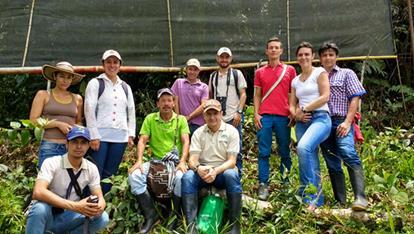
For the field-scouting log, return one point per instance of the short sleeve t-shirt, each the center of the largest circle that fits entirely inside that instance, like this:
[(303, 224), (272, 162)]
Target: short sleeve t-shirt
[(161, 133)]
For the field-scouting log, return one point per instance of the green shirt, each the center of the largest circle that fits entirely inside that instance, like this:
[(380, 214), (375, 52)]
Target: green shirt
[(161, 133)]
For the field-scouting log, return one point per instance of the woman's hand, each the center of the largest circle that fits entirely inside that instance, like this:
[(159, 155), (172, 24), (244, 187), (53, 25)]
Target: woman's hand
[(182, 167), (95, 144), (64, 127)]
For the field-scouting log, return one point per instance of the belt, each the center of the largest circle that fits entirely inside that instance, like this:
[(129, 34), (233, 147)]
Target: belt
[(337, 117), (317, 111)]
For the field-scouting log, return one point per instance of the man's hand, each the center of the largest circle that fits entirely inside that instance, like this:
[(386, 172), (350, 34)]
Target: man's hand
[(236, 120), (343, 129), (257, 123), (182, 167), (130, 141), (95, 144), (202, 171), (88, 209), (137, 165), (210, 176)]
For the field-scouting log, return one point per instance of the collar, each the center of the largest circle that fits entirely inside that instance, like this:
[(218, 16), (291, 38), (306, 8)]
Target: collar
[(279, 65), (103, 76), (159, 119), (197, 82), (335, 68), (222, 128), (66, 164)]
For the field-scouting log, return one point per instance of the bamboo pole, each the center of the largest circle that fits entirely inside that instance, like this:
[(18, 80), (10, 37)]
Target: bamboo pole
[(151, 69), (29, 29)]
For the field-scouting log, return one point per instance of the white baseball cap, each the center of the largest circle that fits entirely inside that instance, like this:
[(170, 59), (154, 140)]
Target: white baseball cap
[(110, 53), (193, 62), (224, 50)]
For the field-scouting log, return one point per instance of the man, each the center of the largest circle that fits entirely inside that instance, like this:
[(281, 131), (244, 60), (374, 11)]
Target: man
[(161, 130), (271, 113), (346, 92), (58, 207), (213, 151), (228, 86), (189, 95)]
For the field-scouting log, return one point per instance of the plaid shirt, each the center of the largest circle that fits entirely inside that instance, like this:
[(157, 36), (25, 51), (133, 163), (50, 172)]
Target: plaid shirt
[(344, 85)]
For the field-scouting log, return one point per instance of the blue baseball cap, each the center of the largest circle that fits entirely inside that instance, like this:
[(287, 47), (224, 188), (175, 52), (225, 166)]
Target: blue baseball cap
[(78, 131)]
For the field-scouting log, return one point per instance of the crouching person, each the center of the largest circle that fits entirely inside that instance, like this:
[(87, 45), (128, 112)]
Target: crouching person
[(213, 153), (58, 207), (165, 132)]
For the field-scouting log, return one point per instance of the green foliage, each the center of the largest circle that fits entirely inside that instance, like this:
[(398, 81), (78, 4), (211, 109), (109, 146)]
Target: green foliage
[(12, 195), (22, 133)]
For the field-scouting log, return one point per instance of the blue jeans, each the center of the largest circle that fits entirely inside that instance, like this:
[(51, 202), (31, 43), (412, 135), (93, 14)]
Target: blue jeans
[(191, 182), (239, 160), (107, 159), (279, 125), (41, 219), (336, 149), (138, 180), (310, 135), (49, 149)]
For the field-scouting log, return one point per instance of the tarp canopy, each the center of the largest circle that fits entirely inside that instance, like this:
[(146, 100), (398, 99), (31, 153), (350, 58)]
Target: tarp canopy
[(167, 33)]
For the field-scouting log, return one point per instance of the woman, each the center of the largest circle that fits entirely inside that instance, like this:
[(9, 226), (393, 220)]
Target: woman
[(110, 117), (62, 108), (308, 104)]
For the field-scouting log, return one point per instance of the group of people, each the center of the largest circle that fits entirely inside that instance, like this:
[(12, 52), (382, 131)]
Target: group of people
[(201, 126)]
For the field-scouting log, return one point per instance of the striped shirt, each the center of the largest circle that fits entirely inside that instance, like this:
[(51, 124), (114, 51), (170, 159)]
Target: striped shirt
[(344, 85)]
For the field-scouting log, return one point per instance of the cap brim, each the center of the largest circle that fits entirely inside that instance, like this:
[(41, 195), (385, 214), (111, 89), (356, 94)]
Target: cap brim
[(48, 71), (78, 135), (212, 108)]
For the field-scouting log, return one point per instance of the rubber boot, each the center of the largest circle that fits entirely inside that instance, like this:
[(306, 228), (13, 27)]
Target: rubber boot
[(146, 203), (234, 200), (338, 187), (356, 175), (190, 207), (177, 211)]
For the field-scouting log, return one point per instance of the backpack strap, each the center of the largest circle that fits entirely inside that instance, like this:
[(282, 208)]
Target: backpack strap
[(73, 183), (102, 87), (236, 81)]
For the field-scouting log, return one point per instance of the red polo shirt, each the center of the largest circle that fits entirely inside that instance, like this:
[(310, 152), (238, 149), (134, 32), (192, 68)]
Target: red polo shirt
[(277, 103)]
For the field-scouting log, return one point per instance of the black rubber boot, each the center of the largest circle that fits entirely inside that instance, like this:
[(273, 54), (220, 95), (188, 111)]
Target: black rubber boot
[(356, 175), (190, 207), (338, 187), (177, 211), (234, 200), (146, 203)]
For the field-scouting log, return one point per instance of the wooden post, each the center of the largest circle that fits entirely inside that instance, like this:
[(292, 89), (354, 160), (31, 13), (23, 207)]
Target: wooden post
[(411, 28)]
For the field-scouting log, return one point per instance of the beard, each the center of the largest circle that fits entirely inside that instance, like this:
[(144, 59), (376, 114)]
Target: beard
[(224, 65)]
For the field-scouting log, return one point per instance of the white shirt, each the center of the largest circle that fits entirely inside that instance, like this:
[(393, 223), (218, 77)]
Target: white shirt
[(107, 118), (54, 172), (307, 91)]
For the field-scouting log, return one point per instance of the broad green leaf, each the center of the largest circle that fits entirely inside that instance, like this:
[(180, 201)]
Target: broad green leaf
[(27, 123), (379, 179), (15, 125), (401, 197), (25, 137), (12, 134), (393, 190), (410, 184), (38, 133)]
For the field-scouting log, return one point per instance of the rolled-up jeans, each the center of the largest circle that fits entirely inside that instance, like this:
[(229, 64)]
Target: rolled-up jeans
[(309, 136), (41, 219), (138, 180)]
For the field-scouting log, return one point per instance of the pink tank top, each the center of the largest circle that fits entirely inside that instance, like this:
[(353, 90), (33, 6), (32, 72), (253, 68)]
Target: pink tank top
[(61, 112)]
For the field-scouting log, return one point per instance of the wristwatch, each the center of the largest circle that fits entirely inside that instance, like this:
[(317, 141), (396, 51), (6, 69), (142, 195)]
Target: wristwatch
[(195, 168), (240, 111)]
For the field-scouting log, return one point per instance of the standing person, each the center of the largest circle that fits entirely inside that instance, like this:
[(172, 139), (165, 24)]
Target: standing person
[(110, 116), (310, 90), (346, 91), (271, 112), (62, 108), (213, 151), (228, 86), (189, 95), (161, 130), (58, 207)]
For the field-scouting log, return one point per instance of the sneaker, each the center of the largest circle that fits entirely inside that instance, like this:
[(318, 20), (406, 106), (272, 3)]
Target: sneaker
[(263, 192), (360, 204)]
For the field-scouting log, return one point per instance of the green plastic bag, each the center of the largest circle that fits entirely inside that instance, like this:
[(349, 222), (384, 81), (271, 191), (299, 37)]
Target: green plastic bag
[(210, 215)]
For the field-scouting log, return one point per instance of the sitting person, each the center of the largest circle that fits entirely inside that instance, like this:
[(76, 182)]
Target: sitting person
[(163, 130), (213, 153), (58, 207)]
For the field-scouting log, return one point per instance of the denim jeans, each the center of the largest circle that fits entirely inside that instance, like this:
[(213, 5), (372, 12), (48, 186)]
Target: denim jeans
[(336, 149), (138, 180), (49, 149), (192, 128), (107, 159), (310, 135), (239, 160), (278, 125), (229, 180), (41, 219)]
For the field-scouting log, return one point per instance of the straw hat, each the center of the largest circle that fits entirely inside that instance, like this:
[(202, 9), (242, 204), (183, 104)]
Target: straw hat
[(49, 71)]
